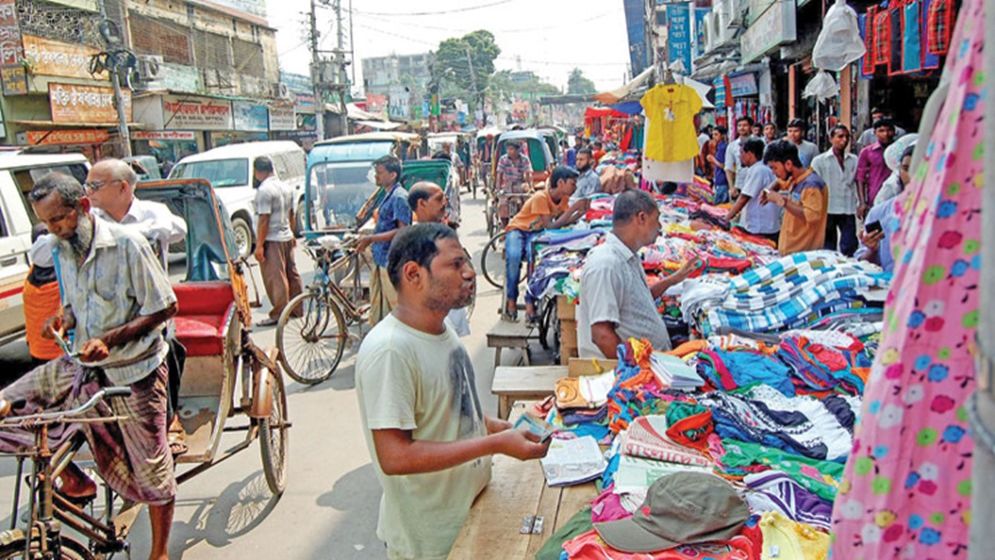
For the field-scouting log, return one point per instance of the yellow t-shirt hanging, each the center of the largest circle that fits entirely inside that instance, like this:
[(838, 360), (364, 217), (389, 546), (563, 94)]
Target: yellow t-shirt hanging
[(671, 109)]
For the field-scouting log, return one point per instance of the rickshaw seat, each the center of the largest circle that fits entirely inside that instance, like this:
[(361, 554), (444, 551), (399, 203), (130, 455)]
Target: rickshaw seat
[(203, 308)]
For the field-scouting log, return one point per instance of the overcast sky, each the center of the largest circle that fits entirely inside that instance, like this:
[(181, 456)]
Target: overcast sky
[(549, 37)]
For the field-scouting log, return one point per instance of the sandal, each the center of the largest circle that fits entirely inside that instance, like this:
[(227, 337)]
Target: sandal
[(532, 321), (509, 317)]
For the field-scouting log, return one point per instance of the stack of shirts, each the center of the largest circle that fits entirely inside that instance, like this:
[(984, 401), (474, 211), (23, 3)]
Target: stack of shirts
[(674, 373), (788, 293)]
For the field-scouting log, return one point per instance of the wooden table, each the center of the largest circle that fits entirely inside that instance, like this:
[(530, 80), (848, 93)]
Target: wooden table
[(517, 489), (512, 384), (511, 335)]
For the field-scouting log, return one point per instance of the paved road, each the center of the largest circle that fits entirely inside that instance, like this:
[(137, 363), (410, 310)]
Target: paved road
[(329, 509)]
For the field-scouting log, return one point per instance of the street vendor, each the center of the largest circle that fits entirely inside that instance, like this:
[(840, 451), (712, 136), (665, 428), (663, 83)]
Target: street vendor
[(588, 181), (117, 298), (547, 209), (422, 419), (616, 301)]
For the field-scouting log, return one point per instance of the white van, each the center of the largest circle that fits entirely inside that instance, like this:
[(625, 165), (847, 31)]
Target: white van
[(18, 173), (229, 169)]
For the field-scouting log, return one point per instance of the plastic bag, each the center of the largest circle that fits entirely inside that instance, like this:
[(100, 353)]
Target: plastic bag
[(839, 42), (821, 87)]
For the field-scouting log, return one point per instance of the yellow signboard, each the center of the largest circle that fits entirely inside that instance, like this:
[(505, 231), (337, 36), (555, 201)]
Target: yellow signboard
[(55, 58)]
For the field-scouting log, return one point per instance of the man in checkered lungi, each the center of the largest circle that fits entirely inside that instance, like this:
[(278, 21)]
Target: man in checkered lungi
[(117, 300)]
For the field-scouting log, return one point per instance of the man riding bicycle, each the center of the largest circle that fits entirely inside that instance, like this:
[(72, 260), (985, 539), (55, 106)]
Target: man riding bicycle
[(117, 299), (514, 175)]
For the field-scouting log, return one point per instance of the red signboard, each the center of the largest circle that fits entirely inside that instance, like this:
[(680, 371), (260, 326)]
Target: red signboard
[(63, 137)]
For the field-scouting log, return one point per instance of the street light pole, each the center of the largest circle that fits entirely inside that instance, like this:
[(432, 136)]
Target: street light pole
[(122, 117), (319, 102)]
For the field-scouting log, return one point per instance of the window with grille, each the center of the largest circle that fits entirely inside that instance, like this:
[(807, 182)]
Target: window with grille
[(160, 37), (211, 50), (248, 58)]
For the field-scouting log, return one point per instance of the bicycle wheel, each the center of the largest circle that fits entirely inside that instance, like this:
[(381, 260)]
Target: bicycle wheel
[(492, 261), (15, 545), (274, 436), (311, 335)]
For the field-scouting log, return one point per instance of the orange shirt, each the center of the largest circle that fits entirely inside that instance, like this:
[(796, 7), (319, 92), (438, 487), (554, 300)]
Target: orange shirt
[(806, 233), (535, 208), (40, 303)]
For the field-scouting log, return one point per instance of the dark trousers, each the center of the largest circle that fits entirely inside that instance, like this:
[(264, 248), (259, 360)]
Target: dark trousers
[(846, 225)]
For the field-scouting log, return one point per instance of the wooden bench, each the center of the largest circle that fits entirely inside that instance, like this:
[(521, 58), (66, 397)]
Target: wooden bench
[(511, 335), (517, 489), (512, 384)]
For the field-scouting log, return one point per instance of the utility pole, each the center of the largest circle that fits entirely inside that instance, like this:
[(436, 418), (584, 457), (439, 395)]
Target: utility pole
[(122, 117), (316, 74), (341, 82), (479, 95)]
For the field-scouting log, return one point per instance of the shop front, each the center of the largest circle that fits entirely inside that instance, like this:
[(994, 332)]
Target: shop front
[(194, 115), (168, 146), (250, 123)]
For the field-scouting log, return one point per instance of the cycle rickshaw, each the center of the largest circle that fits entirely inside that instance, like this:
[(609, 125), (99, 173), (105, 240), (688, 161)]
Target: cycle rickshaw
[(225, 375)]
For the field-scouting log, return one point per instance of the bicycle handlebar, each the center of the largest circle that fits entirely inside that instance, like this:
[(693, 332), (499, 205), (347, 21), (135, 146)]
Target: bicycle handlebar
[(68, 415)]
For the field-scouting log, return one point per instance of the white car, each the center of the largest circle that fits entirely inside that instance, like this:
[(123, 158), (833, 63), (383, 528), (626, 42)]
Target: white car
[(229, 170), (18, 172)]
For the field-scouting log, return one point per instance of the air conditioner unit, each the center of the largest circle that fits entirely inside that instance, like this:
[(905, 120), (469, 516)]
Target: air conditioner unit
[(281, 91), (737, 11), (149, 67)]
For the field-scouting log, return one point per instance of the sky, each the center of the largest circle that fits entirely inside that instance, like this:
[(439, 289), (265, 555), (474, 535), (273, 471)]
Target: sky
[(549, 37)]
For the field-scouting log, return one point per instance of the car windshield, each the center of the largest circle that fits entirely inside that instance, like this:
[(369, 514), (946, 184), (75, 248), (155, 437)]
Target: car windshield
[(220, 172), (337, 192)]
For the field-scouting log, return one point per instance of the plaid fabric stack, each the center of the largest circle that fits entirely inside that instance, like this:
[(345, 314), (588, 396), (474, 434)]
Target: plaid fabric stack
[(788, 293)]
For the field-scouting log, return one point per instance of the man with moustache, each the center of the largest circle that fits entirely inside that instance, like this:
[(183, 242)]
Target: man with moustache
[(424, 425), (117, 299), (588, 182)]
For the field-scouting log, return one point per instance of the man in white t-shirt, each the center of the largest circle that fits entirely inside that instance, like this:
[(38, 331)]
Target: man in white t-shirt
[(275, 240), (425, 428)]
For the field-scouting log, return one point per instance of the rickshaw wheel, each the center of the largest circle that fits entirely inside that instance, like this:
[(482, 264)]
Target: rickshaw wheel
[(311, 335), (71, 548), (273, 437)]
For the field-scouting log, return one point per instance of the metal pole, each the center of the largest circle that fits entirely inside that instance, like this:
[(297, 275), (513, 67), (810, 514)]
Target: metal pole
[(342, 81), (319, 101), (122, 117), (352, 44), (473, 77), (983, 468)]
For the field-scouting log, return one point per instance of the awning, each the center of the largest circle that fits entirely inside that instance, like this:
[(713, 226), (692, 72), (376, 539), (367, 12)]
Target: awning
[(616, 95), (379, 125)]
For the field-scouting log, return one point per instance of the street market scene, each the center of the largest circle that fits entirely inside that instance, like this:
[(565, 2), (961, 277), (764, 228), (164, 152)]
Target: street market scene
[(489, 279)]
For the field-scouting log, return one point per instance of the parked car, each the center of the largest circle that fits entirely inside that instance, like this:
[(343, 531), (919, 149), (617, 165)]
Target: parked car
[(18, 172), (340, 175), (229, 170)]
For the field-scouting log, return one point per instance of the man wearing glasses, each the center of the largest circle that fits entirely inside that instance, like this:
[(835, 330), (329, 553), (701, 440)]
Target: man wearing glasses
[(110, 186)]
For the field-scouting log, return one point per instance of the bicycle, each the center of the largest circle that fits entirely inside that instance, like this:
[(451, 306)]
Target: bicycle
[(514, 202), (492, 258), (313, 328)]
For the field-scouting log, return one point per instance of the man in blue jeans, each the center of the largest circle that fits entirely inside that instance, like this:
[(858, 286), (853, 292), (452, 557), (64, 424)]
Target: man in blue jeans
[(546, 209)]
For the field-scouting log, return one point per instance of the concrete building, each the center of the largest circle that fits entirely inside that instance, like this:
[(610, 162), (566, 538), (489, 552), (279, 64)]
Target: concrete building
[(201, 74), (397, 76)]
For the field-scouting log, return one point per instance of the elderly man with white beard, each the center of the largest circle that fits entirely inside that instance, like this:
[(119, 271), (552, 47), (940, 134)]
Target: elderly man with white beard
[(117, 300)]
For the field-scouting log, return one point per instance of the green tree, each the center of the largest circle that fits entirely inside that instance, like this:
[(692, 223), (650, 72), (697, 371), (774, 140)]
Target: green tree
[(577, 83), (452, 68)]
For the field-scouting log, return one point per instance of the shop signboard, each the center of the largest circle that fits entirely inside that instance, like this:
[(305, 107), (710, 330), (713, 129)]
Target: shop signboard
[(719, 84), (743, 85), (74, 104), (304, 102), (55, 58), (281, 117), (65, 137), (250, 117), (307, 121), (699, 30), (297, 83), (180, 113), (163, 135), (772, 28), (12, 72), (679, 34), (179, 78)]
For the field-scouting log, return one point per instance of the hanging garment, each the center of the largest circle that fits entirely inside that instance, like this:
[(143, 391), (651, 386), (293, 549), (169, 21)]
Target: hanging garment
[(670, 109), (668, 171), (930, 60), (908, 481), (882, 37), (897, 29), (867, 33), (939, 25), (912, 38)]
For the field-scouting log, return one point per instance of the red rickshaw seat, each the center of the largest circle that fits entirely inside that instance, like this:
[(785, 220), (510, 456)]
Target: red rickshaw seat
[(203, 308)]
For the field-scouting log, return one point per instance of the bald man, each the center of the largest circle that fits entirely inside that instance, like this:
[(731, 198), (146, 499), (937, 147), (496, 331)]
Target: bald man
[(427, 202), (110, 185)]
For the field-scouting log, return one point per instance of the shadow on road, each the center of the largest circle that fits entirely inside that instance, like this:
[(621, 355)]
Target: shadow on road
[(357, 495)]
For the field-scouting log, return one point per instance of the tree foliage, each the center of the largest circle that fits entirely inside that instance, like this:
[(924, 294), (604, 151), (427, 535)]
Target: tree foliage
[(505, 86), (577, 83), (451, 69)]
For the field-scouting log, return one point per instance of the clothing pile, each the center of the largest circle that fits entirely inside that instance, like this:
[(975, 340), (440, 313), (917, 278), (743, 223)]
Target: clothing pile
[(758, 442), (797, 291)]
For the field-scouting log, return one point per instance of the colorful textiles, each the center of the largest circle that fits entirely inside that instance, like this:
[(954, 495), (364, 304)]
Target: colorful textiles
[(774, 490), (785, 539), (744, 546), (733, 370), (739, 458)]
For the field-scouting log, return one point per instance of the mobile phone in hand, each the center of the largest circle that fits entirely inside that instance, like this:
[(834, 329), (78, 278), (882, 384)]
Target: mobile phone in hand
[(872, 227)]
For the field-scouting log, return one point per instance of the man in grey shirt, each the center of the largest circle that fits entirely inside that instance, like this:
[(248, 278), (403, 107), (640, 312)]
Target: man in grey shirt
[(796, 135), (616, 302), (275, 240), (588, 182)]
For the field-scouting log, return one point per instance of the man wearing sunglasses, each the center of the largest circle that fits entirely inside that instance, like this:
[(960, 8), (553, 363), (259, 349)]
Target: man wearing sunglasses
[(110, 186)]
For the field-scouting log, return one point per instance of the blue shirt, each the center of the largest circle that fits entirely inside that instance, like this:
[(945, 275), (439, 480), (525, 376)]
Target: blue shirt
[(571, 158), (886, 213), (759, 218), (720, 156), (394, 214)]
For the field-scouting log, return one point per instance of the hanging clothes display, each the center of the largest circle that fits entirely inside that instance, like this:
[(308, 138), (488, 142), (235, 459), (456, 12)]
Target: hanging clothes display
[(906, 491), (912, 37), (670, 109)]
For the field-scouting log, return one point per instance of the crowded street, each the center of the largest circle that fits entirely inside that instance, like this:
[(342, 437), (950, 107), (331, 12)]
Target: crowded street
[(491, 280)]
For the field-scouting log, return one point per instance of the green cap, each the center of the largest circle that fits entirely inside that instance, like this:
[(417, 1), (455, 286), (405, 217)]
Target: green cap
[(680, 508)]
